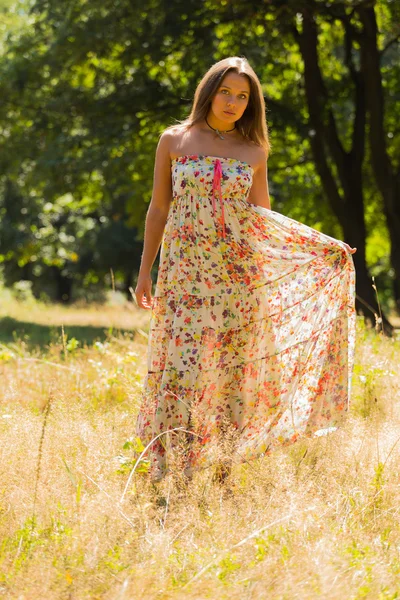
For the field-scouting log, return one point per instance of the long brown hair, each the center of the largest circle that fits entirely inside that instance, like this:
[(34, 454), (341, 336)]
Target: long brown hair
[(252, 124)]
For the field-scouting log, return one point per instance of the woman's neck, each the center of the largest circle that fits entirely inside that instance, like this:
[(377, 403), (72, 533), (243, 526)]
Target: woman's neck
[(212, 122), (210, 127)]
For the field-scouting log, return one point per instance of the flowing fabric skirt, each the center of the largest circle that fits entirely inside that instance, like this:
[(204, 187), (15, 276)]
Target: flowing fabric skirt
[(256, 329)]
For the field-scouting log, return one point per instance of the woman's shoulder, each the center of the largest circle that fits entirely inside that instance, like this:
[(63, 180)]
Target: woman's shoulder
[(258, 151), (174, 132), (173, 136), (257, 154)]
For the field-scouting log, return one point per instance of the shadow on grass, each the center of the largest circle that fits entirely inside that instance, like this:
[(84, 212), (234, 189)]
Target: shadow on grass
[(35, 334)]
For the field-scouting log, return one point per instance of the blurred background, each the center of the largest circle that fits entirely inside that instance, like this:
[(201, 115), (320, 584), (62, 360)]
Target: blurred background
[(87, 86)]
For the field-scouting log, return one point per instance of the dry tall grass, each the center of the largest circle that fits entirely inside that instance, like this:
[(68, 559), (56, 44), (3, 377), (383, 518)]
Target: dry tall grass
[(319, 519)]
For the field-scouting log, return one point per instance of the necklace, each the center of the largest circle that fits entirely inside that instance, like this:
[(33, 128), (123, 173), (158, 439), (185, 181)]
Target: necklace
[(218, 132)]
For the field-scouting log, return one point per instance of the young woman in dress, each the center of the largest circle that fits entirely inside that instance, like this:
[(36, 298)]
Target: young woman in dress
[(252, 319)]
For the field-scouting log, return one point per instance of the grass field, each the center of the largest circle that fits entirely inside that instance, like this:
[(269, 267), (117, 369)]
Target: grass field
[(320, 519)]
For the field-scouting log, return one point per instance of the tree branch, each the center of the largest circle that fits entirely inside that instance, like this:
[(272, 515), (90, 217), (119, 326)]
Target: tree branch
[(390, 43)]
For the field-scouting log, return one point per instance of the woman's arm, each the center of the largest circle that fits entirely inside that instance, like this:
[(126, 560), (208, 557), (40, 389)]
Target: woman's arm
[(259, 193), (156, 218)]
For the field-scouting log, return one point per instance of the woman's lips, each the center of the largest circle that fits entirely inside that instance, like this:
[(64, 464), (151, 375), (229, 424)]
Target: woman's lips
[(227, 112)]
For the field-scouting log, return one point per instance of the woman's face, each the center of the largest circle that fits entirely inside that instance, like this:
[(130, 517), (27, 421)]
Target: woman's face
[(231, 98)]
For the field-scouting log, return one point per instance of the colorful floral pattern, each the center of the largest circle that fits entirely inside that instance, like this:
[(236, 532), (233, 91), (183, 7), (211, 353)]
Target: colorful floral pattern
[(256, 327)]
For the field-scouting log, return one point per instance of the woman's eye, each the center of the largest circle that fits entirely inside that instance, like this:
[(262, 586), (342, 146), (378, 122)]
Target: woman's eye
[(242, 96)]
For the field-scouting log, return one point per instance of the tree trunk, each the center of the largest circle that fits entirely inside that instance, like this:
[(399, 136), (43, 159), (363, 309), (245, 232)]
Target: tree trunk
[(353, 226), (344, 191), (63, 286), (387, 178)]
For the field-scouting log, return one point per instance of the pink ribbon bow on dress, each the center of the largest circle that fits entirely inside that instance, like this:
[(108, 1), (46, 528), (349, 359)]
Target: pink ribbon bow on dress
[(217, 187)]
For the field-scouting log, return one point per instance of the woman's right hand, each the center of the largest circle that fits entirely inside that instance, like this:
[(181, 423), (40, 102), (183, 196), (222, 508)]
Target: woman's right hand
[(143, 291)]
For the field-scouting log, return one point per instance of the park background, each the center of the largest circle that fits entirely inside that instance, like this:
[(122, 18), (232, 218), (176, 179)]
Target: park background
[(87, 86)]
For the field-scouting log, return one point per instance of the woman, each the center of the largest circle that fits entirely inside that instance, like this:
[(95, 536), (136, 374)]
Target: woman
[(252, 325)]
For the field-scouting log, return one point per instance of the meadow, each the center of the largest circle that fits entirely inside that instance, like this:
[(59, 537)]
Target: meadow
[(318, 519)]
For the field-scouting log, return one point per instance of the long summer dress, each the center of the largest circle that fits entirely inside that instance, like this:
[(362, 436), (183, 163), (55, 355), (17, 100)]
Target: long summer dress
[(253, 321)]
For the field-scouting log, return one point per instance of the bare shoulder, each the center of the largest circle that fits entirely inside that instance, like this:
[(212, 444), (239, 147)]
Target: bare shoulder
[(171, 138), (166, 138), (259, 158)]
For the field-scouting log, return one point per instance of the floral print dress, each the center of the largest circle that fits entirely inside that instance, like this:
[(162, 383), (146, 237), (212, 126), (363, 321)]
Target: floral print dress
[(253, 321)]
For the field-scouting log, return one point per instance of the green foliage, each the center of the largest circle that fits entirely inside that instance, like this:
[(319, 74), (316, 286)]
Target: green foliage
[(88, 89), (140, 464), (72, 345), (379, 477), (226, 567)]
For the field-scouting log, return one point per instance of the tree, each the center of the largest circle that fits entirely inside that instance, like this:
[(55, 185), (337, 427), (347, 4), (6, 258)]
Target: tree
[(88, 89), (383, 126), (332, 87)]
